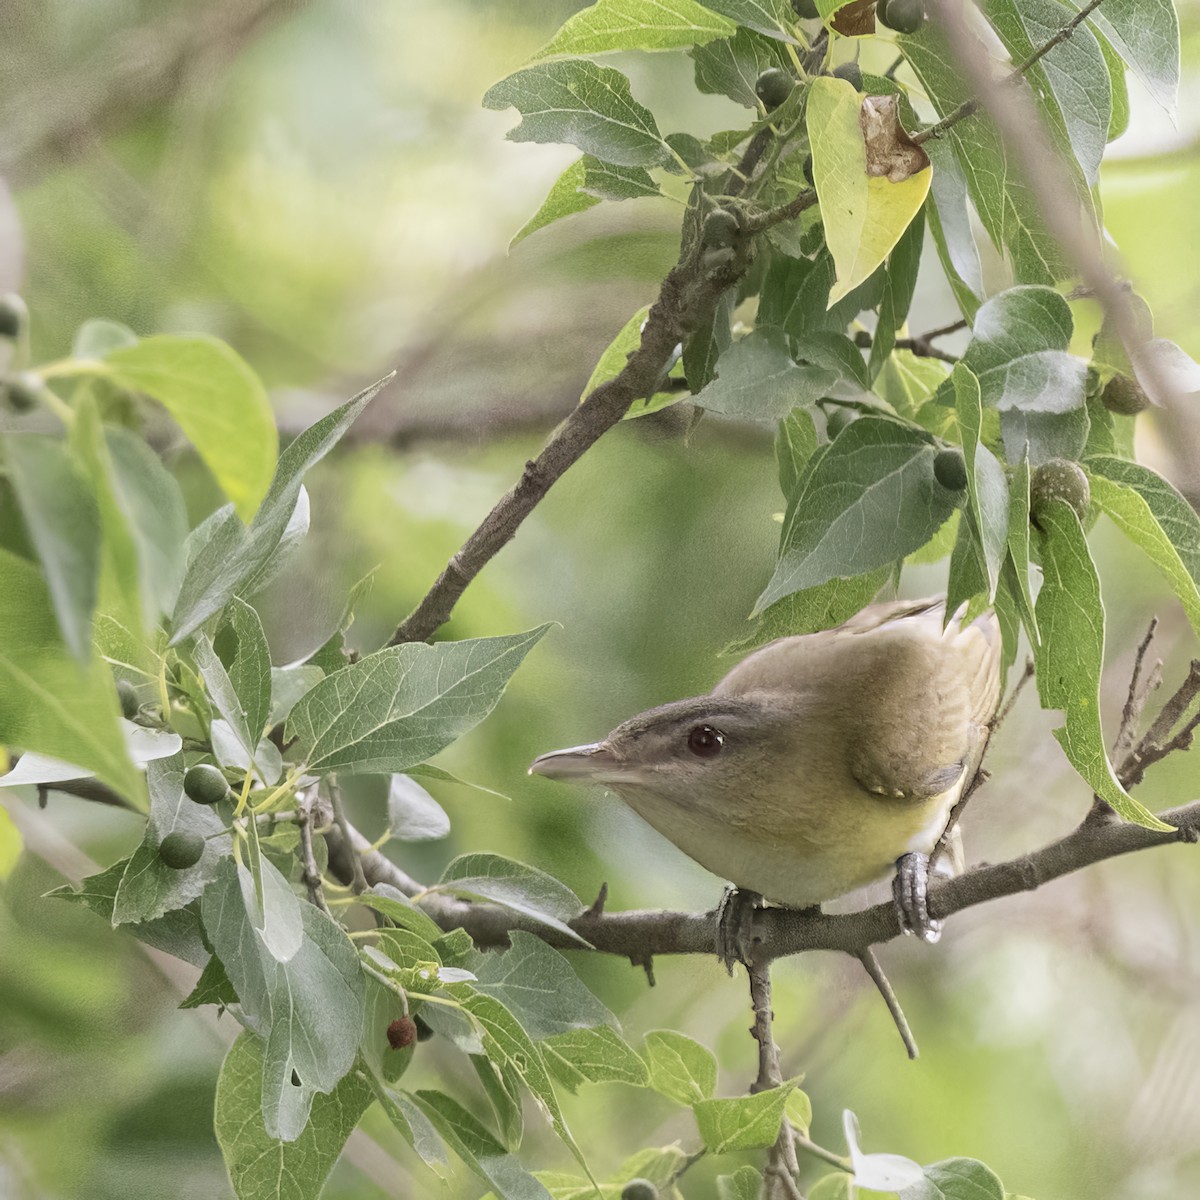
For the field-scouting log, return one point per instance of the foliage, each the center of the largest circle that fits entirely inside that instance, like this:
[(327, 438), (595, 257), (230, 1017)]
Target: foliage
[(103, 585)]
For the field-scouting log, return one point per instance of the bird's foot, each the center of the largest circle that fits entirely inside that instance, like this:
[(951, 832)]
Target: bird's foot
[(910, 892), (734, 921)]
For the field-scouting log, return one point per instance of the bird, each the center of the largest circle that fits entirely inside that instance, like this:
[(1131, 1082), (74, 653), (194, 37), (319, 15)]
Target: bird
[(821, 762)]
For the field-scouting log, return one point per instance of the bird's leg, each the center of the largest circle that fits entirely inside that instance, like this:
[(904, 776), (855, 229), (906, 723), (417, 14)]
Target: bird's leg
[(910, 890), (734, 916)]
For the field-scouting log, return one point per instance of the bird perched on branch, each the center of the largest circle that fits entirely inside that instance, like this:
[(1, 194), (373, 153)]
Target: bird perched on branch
[(821, 762)]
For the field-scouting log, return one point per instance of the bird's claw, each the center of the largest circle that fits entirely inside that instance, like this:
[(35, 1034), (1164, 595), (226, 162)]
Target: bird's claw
[(910, 892), (734, 921)]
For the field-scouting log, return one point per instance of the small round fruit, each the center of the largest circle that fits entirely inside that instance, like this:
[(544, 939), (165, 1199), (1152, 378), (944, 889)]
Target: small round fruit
[(720, 228), (639, 1189), (127, 694), (13, 315), (23, 391), (805, 9), (773, 87), (904, 16), (181, 849), (1059, 479), (205, 784), (950, 470), (1124, 396), (851, 72), (401, 1033)]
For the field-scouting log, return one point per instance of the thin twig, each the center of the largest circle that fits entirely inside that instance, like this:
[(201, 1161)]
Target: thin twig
[(867, 957), (1160, 739), (1135, 699), (970, 107), (311, 874), (779, 1173)]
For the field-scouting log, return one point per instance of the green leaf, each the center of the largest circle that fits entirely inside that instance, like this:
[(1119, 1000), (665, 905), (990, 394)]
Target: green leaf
[(228, 554), (956, 1179), (987, 486), (731, 67), (610, 25), (539, 987), (1046, 435), (813, 609), (1018, 547), (795, 296), (757, 379), (606, 181), (563, 200), (900, 281), (413, 814), (219, 403), (96, 337), (612, 362), (1129, 510), (950, 224), (64, 525), (742, 1122), (595, 1055), (503, 1088), (870, 500), (744, 1184), (149, 888), (837, 1186), (213, 987), (1018, 351), (772, 17), (288, 684), (1070, 84), (1006, 206), (49, 702), (515, 886), (1177, 518), (472, 1143), (152, 503), (177, 933), (580, 102), (1145, 33), (399, 706), (308, 1008), (795, 443), (261, 1166), (236, 668), (1069, 660), (680, 1068), (1118, 121), (865, 215)]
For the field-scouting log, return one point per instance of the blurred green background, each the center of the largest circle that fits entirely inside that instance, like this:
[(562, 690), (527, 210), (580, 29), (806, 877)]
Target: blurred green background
[(316, 183)]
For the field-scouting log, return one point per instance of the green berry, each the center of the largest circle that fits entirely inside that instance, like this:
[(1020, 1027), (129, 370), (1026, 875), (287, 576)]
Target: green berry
[(13, 315), (904, 16), (639, 1189), (181, 849), (950, 470), (1059, 479), (851, 72), (1124, 396), (127, 694), (24, 391), (806, 9), (205, 784), (773, 87), (720, 228)]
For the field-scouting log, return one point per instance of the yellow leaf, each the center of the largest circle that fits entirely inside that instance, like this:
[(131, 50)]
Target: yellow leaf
[(864, 215), (10, 844)]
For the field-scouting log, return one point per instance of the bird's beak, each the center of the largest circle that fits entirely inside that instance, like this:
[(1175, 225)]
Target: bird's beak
[(594, 763)]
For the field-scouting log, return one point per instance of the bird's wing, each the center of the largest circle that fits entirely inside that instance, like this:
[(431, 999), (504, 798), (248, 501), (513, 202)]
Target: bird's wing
[(909, 700)]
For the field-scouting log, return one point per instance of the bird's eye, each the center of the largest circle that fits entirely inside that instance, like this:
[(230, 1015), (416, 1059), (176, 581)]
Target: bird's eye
[(705, 742)]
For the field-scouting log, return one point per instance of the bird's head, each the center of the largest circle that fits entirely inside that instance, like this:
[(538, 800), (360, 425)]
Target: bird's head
[(693, 753)]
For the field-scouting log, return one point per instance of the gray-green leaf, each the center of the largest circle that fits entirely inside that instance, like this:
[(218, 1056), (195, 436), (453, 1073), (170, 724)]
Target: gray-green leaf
[(610, 25), (758, 379), (680, 1068), (399, 706), (236, 667), (580, 102)]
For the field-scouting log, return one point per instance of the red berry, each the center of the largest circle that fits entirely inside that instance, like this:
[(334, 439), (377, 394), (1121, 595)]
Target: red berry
[(401, 1033)]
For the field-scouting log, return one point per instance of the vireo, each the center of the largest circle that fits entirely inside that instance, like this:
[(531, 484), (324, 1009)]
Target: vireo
[(820, 762)]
